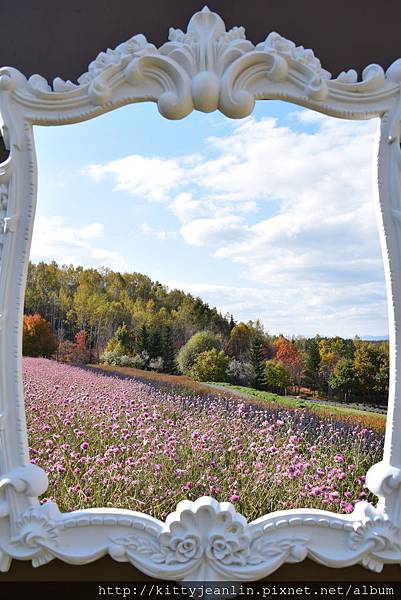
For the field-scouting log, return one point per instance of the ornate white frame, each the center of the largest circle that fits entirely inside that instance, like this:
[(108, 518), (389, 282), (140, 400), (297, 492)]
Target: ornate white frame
[(206, 68)]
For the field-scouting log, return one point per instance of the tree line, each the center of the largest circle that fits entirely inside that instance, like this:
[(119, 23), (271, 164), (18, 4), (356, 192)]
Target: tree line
[(97, 301), (86, 315)]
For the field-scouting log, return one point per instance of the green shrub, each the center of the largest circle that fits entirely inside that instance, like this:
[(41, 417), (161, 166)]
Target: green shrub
[(210, 365), (110, 357), (137, 361), (198, 343)]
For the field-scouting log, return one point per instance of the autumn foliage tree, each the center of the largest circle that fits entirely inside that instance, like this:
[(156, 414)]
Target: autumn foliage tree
[(291, 358), (38, 338), (239, 344), (140, 323), (78, 352), (82, 352)]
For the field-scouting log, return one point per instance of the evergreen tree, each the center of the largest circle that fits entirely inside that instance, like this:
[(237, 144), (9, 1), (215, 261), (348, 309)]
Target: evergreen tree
[(123, 337), (312, 363), (168, 352), (232, 323), (155, 344), (142, 341), (258, 363)]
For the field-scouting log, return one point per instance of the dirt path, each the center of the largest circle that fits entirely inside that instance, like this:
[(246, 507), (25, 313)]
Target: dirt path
[(244, 396), (181, 382), (230, 392)]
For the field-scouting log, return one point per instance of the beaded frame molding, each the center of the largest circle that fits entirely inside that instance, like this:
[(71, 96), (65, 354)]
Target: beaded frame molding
[(207, 68)]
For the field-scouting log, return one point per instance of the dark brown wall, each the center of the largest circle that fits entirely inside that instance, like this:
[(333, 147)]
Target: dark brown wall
[(54, 37)]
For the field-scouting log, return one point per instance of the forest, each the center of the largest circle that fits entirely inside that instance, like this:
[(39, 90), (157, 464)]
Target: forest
[(87, 315)]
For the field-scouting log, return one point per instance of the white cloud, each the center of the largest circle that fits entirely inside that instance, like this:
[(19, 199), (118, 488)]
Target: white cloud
[(318, 255), (186, 208), (150, 177), (312, 242), (292, 310), (160, 234), (68, 245), (325, 221), (217, 231), (88, 232)]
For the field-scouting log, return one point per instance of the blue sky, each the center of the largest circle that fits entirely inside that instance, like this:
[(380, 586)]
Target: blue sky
[(270, 216)]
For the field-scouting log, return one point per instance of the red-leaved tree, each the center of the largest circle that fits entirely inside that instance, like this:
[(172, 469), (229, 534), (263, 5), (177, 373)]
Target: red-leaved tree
[(38, 338), (78, 352), (288, 355)]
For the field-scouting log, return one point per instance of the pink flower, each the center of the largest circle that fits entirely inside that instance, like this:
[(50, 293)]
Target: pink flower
[(165, 437)]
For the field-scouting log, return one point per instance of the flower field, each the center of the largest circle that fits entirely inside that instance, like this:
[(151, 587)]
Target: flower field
[(108, 441)]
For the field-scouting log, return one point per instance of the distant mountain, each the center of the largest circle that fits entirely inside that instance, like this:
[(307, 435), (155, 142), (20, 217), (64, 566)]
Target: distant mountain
[(374, 338)]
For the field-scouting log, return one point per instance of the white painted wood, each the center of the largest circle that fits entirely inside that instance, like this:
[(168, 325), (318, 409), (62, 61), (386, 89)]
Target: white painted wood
[(205, 69)]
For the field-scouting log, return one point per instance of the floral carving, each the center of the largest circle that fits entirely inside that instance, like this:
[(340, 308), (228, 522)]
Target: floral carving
[(230, 549), (182, 549), (300, 58), (207, 46), (292, 53), (38, 534), (38, 527), (206, 68), (105, 61), (206, 529), (202, 540), (375, 529), (144, 545), (120, 56), (267, 547)]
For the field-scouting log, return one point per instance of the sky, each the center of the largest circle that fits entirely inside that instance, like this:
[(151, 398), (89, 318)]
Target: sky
[(268, 217)]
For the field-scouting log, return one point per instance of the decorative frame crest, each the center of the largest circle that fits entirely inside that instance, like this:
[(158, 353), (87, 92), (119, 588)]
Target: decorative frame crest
[(206, 68)]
